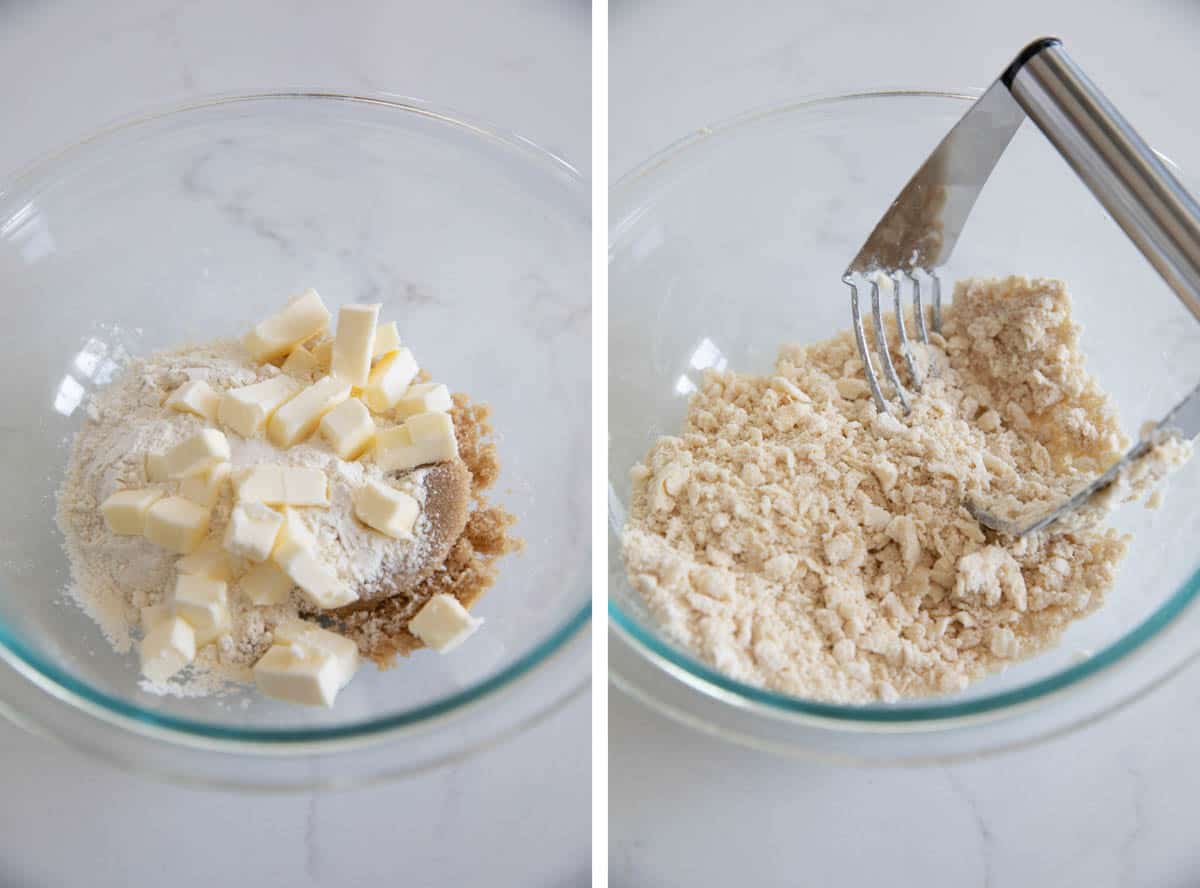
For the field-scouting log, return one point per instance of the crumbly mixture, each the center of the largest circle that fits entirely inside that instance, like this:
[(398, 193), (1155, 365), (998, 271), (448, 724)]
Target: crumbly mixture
[(115, 576), (799, 540)]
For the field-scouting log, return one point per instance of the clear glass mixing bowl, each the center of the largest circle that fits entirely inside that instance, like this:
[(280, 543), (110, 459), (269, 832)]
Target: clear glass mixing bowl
[(732, 242), (194, 223)]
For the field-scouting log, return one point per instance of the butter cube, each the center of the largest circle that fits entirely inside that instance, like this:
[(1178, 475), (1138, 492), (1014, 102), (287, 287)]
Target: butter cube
[(204, 489), (252, 530), (167, 648), (298, 418), (354, 343), (203, 603), (423, 439), (209, 560), (304, 673), (295, 553), (349, 429), (282, 486), (195, 397), (317, 581), (197, 454), (176, 524), (265, 584), (247, 409), (387, 339), (323, 353), (156, 468), (125, 511), (425, 397), (153, 614), (304, 317), (390, 511), (443, 623), (390, 379), (301, 362)]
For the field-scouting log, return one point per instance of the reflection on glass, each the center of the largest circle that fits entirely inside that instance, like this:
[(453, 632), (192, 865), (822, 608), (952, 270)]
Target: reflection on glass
[(708, 355)]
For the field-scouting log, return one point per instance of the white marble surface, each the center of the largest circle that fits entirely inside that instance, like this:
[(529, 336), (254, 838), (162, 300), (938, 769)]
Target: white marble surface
[(518, 815), (1113, 805)]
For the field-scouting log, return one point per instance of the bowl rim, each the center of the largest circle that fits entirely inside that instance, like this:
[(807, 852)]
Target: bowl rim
[(924, 713), (189, 732)]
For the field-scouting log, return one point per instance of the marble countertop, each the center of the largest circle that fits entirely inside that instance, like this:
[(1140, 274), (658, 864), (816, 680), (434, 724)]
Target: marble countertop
[(72, 66), (1112, 805)]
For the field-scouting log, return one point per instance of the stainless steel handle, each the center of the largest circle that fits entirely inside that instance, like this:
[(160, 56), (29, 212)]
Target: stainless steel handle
[(1122, 171)]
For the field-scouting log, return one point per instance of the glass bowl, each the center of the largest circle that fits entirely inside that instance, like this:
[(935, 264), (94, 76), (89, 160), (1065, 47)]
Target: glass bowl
[(733, 241), (195, 223)]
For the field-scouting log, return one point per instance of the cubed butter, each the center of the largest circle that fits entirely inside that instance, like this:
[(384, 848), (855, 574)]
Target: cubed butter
[(390, 379), (423, 439), (299, 417), (387, 339), (348, 428), (177, 524), (125, 511), (390, 511), (443, 623), (354, 343), (204, 489), (204, 603), (209, 560), (247, 409), (195, 397), (300, 362), (156, 468), (197, 454), (295, 553), (167, 648), (424, 397), (304, 317), (278, 485), (323, 352), (265, 584), (316, 580), (302, 673), (252, 530)]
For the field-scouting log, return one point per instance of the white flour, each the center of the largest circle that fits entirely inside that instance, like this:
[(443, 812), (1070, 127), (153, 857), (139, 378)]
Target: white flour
[(115, 576)]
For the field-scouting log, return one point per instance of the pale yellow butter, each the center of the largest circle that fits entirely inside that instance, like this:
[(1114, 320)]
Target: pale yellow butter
[(390, 379), (153, 614), (156, 468), (204, 489), (197, 454), (209, 560), (299, 417), (443, 623), (348, 428), (246, 410), (304, 317), (177, 524), (303, 673), (425, 438), (204, 603), (125, 511), (265, 584), (252, 530), (167, 648), (295, 553), (301, 362), (390, 511), (424, 397), (282, 485), (323, 353), (387, 339), (195, 397), (354, 343)]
